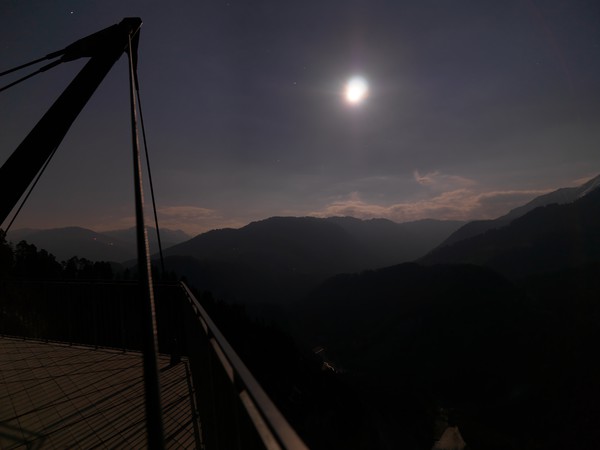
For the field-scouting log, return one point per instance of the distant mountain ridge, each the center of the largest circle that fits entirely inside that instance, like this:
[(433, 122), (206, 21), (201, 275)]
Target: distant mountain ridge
[(115, 245), (381, 241), (559, 196), (397, 242), (549, 238), (299, 251)]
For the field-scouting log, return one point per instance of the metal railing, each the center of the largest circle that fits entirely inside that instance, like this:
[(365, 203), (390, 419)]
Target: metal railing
[(96, 313), (235, 412), (225, 388)]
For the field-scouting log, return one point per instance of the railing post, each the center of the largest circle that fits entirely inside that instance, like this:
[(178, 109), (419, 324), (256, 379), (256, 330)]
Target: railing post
[(197, 350), (154, 422), (95, 317), (175, 309)]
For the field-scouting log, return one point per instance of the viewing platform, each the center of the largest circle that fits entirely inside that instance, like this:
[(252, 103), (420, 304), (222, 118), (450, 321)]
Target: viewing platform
[(71, 373), (55, 395)]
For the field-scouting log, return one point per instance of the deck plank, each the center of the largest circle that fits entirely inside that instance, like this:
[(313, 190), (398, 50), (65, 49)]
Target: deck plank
[(56, 395)]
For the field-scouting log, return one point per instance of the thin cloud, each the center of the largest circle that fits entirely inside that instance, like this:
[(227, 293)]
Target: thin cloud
[(438, 181), (187, 212), (459, 204), (582, 180)]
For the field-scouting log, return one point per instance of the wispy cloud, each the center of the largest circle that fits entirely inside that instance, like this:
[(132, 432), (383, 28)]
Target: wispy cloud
[(449, 197), (582, 180), (437, 181), (187, 212), (439, 196)]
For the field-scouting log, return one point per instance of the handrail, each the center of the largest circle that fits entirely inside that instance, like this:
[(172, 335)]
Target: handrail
[(273, 428)]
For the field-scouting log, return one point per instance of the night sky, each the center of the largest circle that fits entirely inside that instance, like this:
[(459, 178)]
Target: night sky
[(474, 107)]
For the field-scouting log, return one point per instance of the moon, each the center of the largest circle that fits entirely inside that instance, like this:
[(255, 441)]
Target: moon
[(356, 90)]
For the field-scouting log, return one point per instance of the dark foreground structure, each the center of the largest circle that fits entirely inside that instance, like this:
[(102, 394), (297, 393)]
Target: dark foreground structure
[(72, 372), (55, 394)]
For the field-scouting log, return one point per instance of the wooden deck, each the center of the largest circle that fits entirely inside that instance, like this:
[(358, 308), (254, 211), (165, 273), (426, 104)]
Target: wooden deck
[(60, 396)]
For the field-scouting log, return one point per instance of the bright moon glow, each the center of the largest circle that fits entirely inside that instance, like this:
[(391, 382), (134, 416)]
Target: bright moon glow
[(356, 90)]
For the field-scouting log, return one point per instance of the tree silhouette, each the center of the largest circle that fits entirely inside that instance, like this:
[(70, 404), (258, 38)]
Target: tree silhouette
[(25, 261), (31, 263)]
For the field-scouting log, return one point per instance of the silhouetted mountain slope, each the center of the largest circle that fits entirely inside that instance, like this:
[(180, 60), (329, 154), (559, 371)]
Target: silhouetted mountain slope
[(392, 242), (279, 244), (118, 245), (560, 196), (546, 239), (473, 228), (364, 304), (512, 363), (275, 260), (414, 338), (289, 255)]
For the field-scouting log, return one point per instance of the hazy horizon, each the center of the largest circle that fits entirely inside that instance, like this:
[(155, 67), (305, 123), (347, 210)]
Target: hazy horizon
[(340, 210)]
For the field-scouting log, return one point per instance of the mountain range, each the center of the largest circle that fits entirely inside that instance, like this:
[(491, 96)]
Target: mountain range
[(548, 238), (496, 332), (281, 258), (560, 196)]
